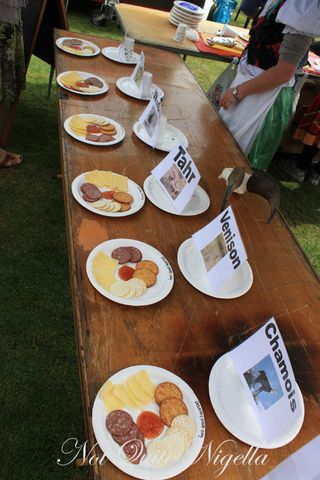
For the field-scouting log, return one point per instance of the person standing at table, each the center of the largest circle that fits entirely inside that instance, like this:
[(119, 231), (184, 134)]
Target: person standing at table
[(258, 106)]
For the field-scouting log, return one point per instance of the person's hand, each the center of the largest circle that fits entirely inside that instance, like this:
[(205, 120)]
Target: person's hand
[(228, 99)]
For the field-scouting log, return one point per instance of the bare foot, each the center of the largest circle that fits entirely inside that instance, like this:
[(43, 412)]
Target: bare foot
[(8, 159)]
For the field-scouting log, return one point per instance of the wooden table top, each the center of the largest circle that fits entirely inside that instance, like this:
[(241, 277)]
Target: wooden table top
[(187, 331), (151, 27)]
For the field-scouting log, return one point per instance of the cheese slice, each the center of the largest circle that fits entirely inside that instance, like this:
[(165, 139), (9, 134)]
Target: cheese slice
[(138, 391), (120, 182), (109, 400), (143, 379), (134, 400), (103, 269), (120, 393)]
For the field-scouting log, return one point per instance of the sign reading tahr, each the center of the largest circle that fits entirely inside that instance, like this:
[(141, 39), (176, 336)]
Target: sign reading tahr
[(178, 177)]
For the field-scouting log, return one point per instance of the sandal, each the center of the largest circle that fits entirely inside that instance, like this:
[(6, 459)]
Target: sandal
[(9, 159)]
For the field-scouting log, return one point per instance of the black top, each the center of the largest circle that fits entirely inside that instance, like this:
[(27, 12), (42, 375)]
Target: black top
[(266, 36)]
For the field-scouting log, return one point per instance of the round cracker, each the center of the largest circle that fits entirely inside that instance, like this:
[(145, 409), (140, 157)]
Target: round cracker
[(166, 450), (146, 275), (123, 197), (120, 288), (125, 207), (150, 265), (186, 425), (167, 390), (170, 408)]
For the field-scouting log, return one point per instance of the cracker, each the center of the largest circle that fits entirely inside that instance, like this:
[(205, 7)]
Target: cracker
[(146, 275), (125, 207), (150, 265), (167, 390), (165, 450), (122, 197), (171, 408)]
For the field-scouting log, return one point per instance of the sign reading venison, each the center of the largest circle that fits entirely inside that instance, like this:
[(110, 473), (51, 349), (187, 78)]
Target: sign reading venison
[(221, 248)]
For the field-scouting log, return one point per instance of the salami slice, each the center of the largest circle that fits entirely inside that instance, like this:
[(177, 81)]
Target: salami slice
[(105, 138), (122, 254), (133, 434), (94, 81), (119, 422), (92, 138), (88, 199), (135, 451), (136, 255), (72, 42), (91, 191)]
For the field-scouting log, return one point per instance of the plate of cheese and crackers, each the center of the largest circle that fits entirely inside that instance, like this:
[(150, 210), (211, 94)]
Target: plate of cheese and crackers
[(94, 129), (198, 203), (113, 53), (108, 194), (77, 46), (232, 407), (130, 272), (128, 87), (171, 137), (148, 422), (191, 267), (83, 83)]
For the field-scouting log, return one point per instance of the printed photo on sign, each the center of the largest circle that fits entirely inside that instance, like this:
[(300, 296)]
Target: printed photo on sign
[(178, 177), (214, 252), (137, 74), (265, 370), (150, 118), (173, 181), (263, 381), (151, 121)]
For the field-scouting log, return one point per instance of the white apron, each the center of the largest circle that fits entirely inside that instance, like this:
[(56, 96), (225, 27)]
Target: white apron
[(244, 119)]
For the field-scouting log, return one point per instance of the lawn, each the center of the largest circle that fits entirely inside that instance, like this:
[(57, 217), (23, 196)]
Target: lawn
[(40, 394)]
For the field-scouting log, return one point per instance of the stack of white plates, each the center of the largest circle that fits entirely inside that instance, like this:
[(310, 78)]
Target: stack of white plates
[(186, 12)]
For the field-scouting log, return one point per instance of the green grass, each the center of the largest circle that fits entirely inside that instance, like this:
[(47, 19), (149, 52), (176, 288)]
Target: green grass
[(40, 394)]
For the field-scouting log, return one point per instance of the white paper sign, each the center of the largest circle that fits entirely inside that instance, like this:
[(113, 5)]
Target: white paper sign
[(137, 74), (150, 118), (221, 249), (178, 177), (302, 465), (265, 370)]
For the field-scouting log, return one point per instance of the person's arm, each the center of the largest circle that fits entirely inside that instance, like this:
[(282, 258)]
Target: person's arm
[(269, 79), (293, 48)]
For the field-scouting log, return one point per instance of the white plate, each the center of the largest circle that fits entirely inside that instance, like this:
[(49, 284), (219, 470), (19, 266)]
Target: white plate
[(84, 43), (192, 25), (84, 75), (234, 411), (144, 470), (129, 88), (184, 19), (153, 294), (135, 191), (172, 137), (112, 53), (190, 264), (199, 202), (189, 7), (118, 137)]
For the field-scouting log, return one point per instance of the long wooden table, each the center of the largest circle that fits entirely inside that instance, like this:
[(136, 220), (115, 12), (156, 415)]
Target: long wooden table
[(187, 331), (151, 27)]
